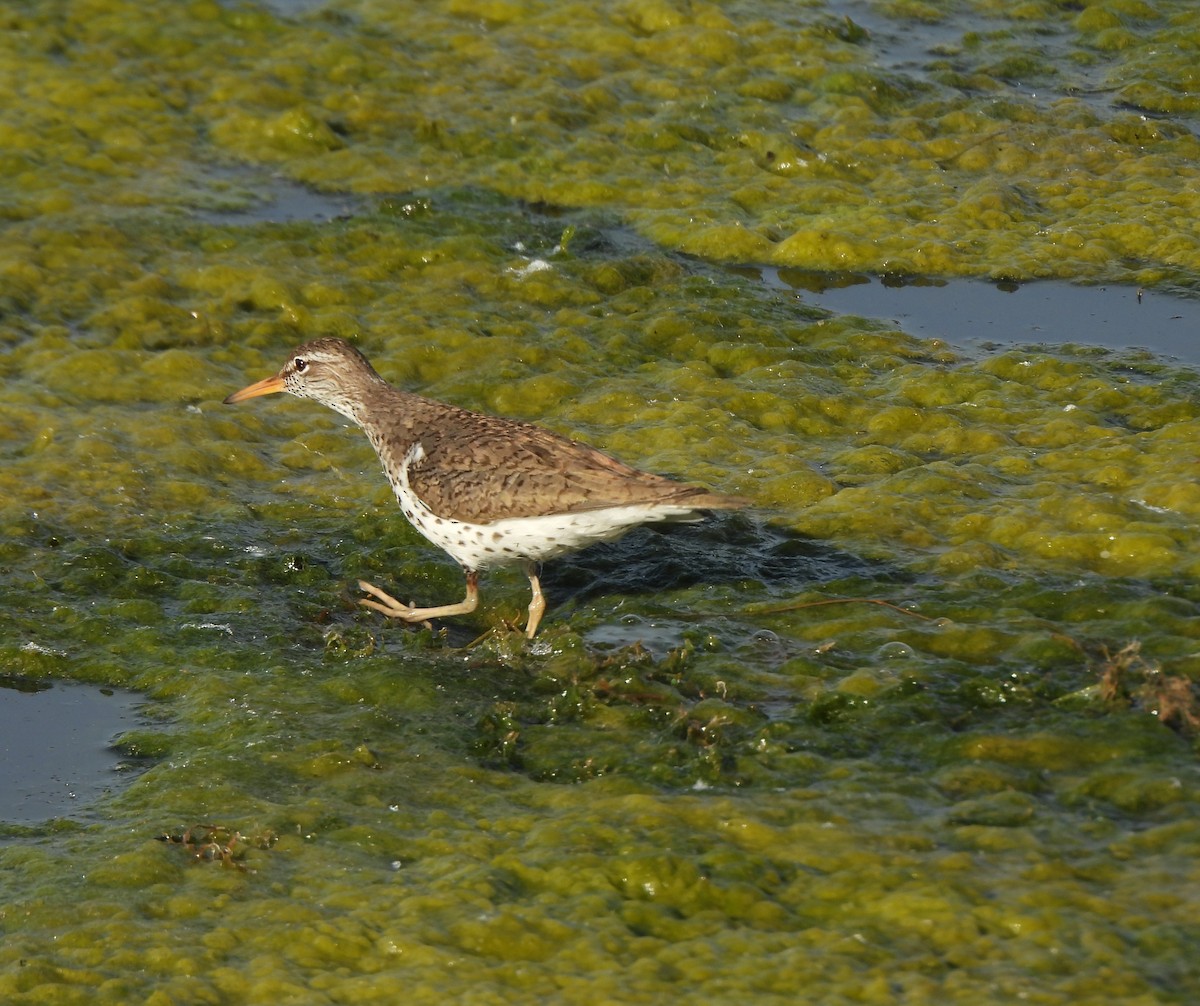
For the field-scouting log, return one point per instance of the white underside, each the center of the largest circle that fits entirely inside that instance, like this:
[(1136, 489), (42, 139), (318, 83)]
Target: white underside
[(518, 539)]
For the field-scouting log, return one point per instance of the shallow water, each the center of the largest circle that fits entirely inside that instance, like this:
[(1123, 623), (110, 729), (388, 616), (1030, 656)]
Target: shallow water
[(55, 747), (975, 315), (919, 727)]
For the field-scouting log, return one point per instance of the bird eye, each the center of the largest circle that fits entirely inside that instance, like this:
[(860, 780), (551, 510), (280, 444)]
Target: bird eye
[(300, 364)]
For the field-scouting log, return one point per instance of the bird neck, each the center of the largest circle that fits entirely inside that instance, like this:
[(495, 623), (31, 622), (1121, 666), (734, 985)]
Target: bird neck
[(370, 399), (381, 410)]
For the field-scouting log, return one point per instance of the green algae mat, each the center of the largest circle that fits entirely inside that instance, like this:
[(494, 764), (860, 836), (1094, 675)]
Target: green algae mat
[(920, 727)]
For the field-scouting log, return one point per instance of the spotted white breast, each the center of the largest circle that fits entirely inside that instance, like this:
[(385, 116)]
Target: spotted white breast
[(516, 539)]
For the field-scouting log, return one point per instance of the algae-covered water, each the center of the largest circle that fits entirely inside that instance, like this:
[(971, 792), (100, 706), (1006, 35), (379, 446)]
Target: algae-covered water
[(919, 727)]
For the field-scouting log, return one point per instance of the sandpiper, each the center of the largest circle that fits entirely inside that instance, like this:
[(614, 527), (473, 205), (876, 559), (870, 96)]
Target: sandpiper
[(489, 491)]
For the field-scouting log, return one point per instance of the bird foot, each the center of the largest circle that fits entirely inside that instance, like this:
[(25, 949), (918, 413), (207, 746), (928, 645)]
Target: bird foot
[(388, 605)]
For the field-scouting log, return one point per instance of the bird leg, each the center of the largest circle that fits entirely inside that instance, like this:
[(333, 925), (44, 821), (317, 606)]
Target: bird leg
[(394, 609), (537, 606)]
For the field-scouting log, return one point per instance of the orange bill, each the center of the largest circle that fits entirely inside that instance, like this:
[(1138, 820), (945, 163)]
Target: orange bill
[(267, 386)]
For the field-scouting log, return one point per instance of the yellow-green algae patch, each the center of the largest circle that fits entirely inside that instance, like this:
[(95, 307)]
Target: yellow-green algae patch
[(788, 790), (1030, 141)]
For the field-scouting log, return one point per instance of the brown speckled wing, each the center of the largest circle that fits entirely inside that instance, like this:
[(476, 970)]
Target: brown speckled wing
[(482, 469)]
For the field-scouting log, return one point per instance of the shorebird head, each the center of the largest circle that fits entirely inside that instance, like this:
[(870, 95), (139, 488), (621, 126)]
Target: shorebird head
[(329, 370)]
